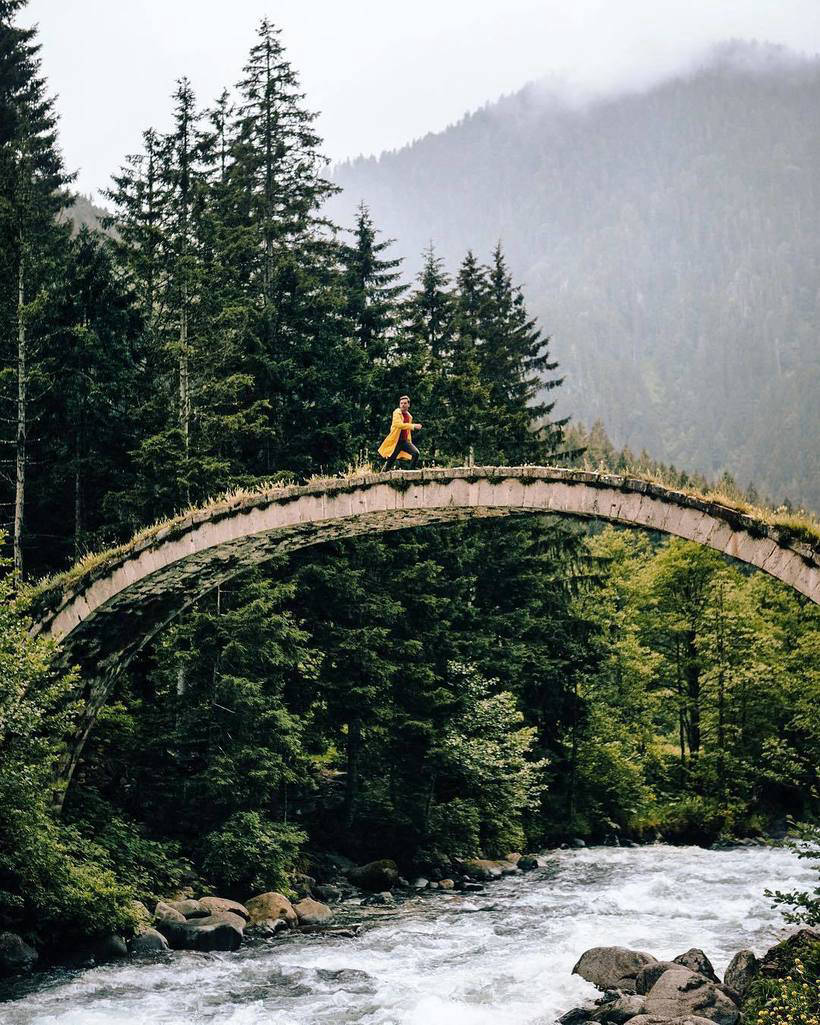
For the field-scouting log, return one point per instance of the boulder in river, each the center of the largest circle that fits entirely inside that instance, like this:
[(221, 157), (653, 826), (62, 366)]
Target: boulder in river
[(680, 992), (376, 876), (147, 942), (612, 967), (110, 947), (217, 932), (653, 1019), (742, 969), (695, 960), (483, 869), (577, 843), (271, 907), (311, 912), (620, 1010), (327, 892), (649, 975), (528, 862), (575, 1016), (376, 899), (216, 905), (189, 908), (165, 913), (16, 956)]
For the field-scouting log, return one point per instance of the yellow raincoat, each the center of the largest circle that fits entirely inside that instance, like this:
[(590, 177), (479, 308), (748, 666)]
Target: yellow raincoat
[(397, 425)]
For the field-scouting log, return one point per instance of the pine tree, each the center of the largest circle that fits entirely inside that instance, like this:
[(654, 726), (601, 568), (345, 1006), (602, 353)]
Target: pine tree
[(32, 180), (513, 357), (89, 424), (421, 352), (373, 311)]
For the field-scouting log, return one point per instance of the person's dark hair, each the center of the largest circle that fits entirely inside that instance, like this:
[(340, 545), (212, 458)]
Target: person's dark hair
[(403, 397)]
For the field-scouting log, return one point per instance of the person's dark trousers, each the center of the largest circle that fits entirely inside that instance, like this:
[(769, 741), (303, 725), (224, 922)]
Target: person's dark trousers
[(402, 446)]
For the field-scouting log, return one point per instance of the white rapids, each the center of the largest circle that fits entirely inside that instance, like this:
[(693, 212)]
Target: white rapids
[(501, 957)]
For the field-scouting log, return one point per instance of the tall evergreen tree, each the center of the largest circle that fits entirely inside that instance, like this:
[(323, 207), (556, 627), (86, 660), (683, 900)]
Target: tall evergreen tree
[(513, 358), (373, 310), (32, 180)]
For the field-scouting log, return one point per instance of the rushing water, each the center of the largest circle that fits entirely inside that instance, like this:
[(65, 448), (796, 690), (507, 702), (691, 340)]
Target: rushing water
[(501, 957)]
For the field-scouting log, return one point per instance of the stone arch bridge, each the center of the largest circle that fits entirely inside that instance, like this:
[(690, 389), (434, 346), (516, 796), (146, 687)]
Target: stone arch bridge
[(104, 616)]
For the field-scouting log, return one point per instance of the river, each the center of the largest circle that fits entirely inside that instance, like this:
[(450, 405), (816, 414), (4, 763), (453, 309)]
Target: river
[(501, 957)]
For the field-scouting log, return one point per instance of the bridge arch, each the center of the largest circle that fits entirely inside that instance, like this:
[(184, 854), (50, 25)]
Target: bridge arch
[(106, 615)]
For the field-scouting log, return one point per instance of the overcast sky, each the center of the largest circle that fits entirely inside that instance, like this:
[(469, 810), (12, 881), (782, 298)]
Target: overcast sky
[(381, 72)]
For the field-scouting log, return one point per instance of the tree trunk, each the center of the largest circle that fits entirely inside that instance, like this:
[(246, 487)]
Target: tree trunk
[(184, 388), (20, 488), (691, 672), (78, 493), (354, 741)]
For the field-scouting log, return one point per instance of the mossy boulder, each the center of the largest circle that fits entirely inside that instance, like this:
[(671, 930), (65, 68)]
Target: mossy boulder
[(376, 876)]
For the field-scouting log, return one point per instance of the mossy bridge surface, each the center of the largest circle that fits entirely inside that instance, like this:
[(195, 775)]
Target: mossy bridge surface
[(101, 617)]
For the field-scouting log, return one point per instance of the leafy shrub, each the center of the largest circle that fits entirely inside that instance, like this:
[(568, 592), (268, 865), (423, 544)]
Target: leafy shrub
[(454, 828), (791, 998), (250, 854), (50, 886), (50, 889), (154, 869)]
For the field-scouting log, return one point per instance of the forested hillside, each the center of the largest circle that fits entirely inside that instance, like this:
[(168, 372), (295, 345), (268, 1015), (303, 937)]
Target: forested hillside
[(669, 242), (427, 695)]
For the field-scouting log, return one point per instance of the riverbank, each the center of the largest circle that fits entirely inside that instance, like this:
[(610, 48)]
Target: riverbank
[(503, 956)]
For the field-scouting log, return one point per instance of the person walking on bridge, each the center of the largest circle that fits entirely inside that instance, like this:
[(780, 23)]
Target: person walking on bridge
[(399, 442)]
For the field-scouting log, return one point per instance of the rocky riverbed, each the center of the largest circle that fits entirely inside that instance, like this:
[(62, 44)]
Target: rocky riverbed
[(501, 955)]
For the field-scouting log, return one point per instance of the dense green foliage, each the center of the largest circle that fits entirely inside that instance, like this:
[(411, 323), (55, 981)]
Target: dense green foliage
[(787, 991), (422, 695), (667, 236)]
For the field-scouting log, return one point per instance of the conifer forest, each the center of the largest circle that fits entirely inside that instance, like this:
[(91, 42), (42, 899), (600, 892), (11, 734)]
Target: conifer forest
[(428, 695)]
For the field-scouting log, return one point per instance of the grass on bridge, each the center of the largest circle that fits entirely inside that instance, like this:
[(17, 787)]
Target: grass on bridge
[(799, 526)]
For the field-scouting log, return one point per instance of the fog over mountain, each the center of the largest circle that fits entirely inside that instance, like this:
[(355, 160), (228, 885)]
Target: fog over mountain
[(669, 241)]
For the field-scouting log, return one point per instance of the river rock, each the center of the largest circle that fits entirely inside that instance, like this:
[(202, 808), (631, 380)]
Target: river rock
[(378, 899), (165, 913), (420, 884), (575, 1016), (271, 907), (328, 893), (528, 862), (376, 876), (216, 905), (742, 969), (147, 942), (696, 961), (447, 884), (513, 857), (680, 992), (612, 967), (484, 869), (652, 1019), (102, 949), (217, 932), (141, 914), (472, 887), (620, 1010), (311, 912), (302, 885), (189, 908), (782, 955), (577, 843), (16, 956), (649, 975)]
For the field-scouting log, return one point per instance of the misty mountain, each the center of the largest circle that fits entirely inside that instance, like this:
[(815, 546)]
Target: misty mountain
[(85, 212), (669, 241)]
